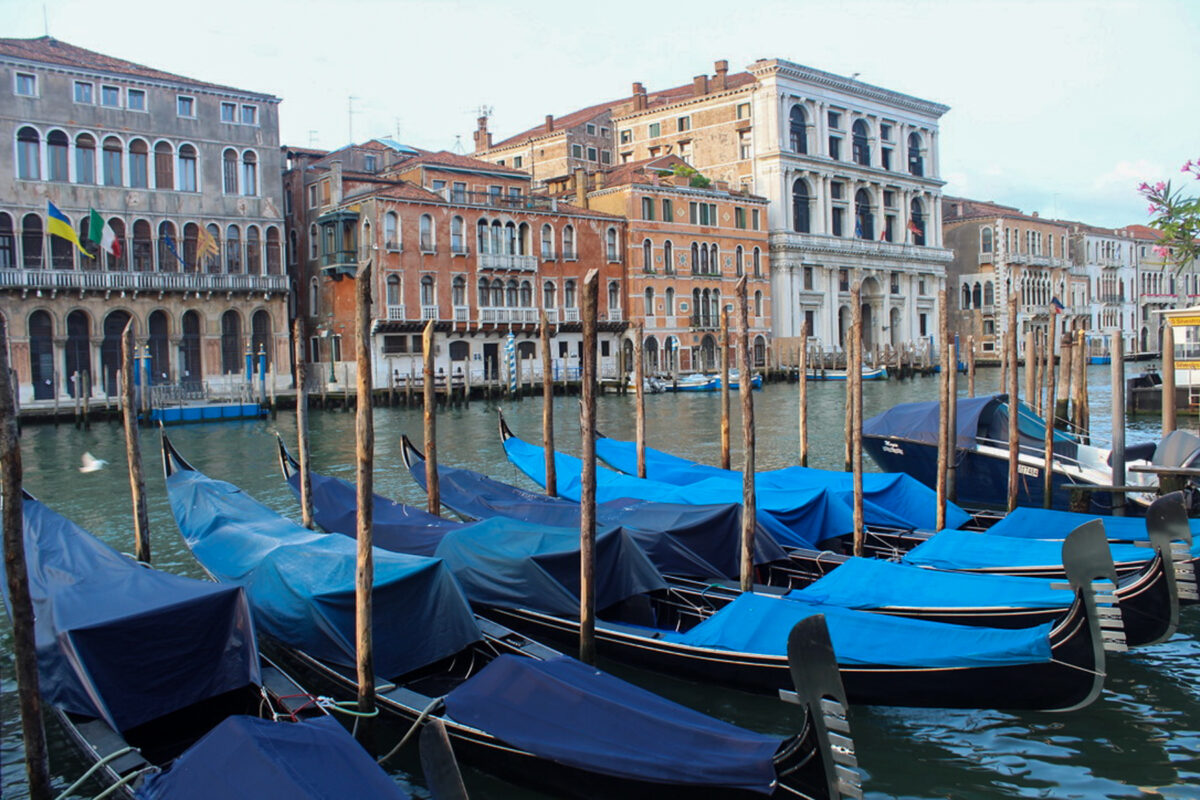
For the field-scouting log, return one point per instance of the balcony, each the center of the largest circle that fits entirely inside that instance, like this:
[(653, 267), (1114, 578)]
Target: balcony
[(840, 247), (63, 280), (570, 315), (396, 314), (428, 313), (339, 262), (704, 322), (614, 315), (514, 316), (462, 314), (507, 262)]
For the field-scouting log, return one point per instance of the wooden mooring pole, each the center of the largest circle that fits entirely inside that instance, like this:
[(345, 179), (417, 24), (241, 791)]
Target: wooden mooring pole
[(851, 368), (746, 390), (587, 511), (970, 366), (639, 378), (943, 456), (856, 419), (725, 388), (133, 449), (547, 408), (1051, 406), (1081, 401), (432, 486), (1014, 438), (952, 422), (802, 370), (1031, 367), (1168, 379), (1066, 374), (306, 511), (1116, 349), (16, 572), (364, 435)]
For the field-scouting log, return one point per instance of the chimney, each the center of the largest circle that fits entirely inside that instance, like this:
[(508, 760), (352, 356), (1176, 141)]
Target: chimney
[(639, 97), (335, 181), (700, 85), (549, 123), (722, 68), (483, 139), (599, 180), (581, 198)]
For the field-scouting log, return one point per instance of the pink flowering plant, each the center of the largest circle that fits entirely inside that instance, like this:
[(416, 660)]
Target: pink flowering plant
[(1176, 217)]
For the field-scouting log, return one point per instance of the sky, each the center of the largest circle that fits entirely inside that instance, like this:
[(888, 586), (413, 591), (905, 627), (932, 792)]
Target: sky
[(1056, 106)]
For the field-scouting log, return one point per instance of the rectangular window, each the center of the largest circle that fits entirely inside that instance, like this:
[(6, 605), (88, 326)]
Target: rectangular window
[(744, 145), (518, 161), (493, 195), (808, 283), (249, 115), (626, 136), (438, 186), (694, 213), (837, 221), (739, 218), (228, 112), (312, 196), (369, 163), (655, 130), (889, 198), (605, 156), (843, 280), (754, 218), (576, 151), (591, 154), (810, 321), (743, 111), (110, 96), (185, 106), (458, 193), (85, 92), (683, 124), (924, 332), (835, 119), (135, 100), (835, 190), (885, 132), (395, 344), (591, 129), (668, 213), (26, 84), (886, 157), (835, 148), (648, 208), (604, 132)]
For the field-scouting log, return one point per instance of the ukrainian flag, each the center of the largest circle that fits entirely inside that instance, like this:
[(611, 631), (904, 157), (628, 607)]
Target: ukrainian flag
[(57, 224)]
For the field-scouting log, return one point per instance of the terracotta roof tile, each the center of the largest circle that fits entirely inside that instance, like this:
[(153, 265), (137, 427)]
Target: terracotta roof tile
[(448, 159), (1143, 232), (49, 50)]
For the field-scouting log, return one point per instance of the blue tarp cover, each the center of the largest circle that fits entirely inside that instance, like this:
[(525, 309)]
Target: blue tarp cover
[(512, 564), (125, 643), (756, 623), (901, 495), (250, 758), (570, 713), (395, 526), (799, 517), (1043, 523), (301, 584), (968, 550), (681, 539), (873, 583)]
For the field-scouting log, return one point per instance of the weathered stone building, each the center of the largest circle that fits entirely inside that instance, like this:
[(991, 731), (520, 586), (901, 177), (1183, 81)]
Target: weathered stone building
[(159, 157)]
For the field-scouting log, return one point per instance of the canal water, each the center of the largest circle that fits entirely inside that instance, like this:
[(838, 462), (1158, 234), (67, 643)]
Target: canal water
[(1140, 739)]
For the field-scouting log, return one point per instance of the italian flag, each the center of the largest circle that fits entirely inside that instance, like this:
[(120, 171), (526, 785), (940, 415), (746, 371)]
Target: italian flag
[(102, 234)]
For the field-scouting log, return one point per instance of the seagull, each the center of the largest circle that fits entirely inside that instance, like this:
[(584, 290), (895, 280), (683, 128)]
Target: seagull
[(92, 464)]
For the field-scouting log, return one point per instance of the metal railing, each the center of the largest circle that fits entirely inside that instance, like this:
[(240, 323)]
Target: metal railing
[(508, 262), (140, 281)]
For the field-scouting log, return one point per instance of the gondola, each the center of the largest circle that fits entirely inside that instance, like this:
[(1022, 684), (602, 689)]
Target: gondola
[(512, 706), (710, 633), (1146, 610), (868, 374), (904, 439), (149, 673)]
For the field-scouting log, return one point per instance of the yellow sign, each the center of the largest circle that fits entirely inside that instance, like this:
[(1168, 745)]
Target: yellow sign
[(1183, 322), (1187, 365)]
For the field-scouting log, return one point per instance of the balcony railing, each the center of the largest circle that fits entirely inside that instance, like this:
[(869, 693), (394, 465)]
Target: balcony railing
[(840, 245), (570, 315), (704, 322), (508, 262), (140, 281), (429, 312), (518, 316), (396, 314), (614, 315), (462, 314), (339, 258)]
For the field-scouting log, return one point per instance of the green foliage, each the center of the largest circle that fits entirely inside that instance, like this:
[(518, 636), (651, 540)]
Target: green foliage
[(695, 179)]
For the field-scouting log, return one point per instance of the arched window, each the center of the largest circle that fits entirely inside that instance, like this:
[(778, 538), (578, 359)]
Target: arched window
[(233, 249), (164, 166), (510, 238), (212, 261), (188, 173), (647, 256), (800, 209), (864, 220), (738, 268), (159, 346), (457, 233), (393, 290), (253, 251), (8, 243), (704, 259), (483, 239), (714, 259), (798, 129), (62, 252), (32, 241), (916, 164), (112, 161), (139, 164), (458, 291), (143, 247), (232, 357), (118, 262), (485, 297), (497, 231), (189, 348), (250, 173), (57, 146), (669, 304), (918, 222), (260, 336), (89, 246), (314, 241), (29, 154), (191, 238), (547, 242), (512, 298), (314, 298), (166, 244), (757, 259), (497, 293), (41, 354), (85, 159), (977, 294), (668, 257), (758, 303), (695, 262), (110, 345), (526, 294), (989, 294), (391, 231), (649, 307), (985, 240), (273, 263), (568, 238), (966, 297), (229, 171), (569, 294), (859, 145), (523, 239), (610, 241), (425, 234), (614, 296), (549, 300)]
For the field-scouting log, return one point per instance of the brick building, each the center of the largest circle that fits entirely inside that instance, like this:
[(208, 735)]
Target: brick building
[(159, 156), (452, 239)]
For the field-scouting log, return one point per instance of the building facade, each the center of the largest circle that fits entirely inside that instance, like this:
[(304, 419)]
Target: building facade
[(159, 157), (454, 240), (1107, 260), (850, 171)]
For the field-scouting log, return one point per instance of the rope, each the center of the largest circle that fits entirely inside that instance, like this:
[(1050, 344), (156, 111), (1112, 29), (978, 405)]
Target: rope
[(127, 779), (92, 770), (344, 707), (429, 709), (1076, 666)]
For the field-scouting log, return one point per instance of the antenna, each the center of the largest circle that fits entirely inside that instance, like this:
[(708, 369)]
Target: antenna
[(458, 147), (484, 111), (312, 136), (397, 128), (350, 112), (45, 20)]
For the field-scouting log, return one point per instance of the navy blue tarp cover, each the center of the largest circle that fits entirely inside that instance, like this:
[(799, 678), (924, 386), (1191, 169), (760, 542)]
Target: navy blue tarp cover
[(901, 495), (681, 539), (512, 564), (395, 526), (799, 517), (757, 623), (570, 713), (125, 643), (969, 550), (918, 422), (301, 584), (249, 758)]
